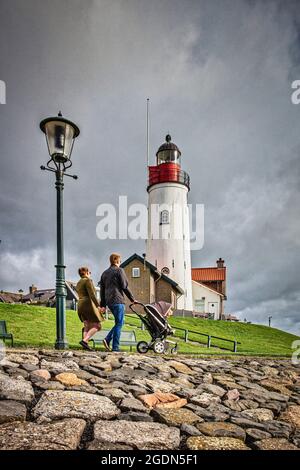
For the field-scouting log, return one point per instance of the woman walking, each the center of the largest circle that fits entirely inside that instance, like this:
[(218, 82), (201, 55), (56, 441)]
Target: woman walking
[(113, 286), (89, 310)]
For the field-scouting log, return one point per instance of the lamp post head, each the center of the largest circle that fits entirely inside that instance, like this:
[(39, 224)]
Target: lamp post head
[(60, 135)]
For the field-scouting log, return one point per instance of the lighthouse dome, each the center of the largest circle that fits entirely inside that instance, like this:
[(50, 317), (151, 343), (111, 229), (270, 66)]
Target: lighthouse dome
[(168, 152)]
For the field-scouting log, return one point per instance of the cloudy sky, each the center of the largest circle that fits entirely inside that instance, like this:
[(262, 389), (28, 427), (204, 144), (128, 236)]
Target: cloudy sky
[(218, 73)]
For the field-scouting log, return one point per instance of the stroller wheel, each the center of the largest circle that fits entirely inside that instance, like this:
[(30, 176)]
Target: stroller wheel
[(159, 347), (142, 347)]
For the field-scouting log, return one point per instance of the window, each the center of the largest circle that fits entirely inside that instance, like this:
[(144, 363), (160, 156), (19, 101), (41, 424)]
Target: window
[(164, 217), (200, 305), (136, 272)]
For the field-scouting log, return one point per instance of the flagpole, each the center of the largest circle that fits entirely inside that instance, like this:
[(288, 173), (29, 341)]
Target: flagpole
[(148, 128)]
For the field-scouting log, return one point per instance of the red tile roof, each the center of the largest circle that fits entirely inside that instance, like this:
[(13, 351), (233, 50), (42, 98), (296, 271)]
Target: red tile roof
[(208, 274)]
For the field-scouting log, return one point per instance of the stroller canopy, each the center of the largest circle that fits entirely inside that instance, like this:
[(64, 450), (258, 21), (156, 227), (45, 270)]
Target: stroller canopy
[(162, 307)]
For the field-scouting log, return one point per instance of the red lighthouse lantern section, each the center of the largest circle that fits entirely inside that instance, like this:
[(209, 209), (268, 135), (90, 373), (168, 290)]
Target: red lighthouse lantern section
[(168, 242)]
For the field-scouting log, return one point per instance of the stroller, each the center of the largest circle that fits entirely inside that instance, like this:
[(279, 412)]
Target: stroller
[(154, 317)]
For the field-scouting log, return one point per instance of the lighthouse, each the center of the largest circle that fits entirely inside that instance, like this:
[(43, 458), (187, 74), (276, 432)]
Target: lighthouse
[(168, 242)]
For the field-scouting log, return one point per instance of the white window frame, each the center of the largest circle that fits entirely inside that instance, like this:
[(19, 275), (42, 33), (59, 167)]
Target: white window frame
[(136, 272), (199, 305)]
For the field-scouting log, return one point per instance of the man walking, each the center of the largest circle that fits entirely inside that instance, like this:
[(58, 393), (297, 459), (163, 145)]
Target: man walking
[(113, 286)]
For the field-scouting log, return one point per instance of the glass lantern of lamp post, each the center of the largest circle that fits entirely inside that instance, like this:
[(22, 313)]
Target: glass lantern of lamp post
[(60, 135)]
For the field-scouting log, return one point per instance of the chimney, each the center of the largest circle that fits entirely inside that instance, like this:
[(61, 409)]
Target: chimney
[(220, 263), (144, 257), (32, 289)]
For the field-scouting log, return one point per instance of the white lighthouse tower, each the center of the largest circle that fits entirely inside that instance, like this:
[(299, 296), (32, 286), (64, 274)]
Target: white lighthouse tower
[(168, 243)]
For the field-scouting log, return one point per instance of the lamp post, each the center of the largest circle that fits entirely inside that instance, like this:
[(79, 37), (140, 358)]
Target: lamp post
[(60, 135)]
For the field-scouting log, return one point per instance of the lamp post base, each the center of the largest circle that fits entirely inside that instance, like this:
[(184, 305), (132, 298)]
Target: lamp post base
[(61, 340), (61, 345)]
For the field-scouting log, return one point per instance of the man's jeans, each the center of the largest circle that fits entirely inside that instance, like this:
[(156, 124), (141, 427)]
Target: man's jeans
[(118, 311)]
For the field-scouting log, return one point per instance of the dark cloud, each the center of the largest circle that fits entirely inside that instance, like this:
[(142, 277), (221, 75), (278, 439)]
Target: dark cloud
[(219, 77)]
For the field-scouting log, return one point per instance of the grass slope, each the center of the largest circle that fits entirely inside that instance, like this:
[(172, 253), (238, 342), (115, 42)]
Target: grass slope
[(254, 339), (35, 326)]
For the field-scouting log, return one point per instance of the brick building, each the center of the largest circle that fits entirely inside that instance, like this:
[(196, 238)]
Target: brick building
[(148, 284)]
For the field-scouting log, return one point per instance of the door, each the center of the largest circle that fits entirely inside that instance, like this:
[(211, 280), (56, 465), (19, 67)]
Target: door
[(213, 310)]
